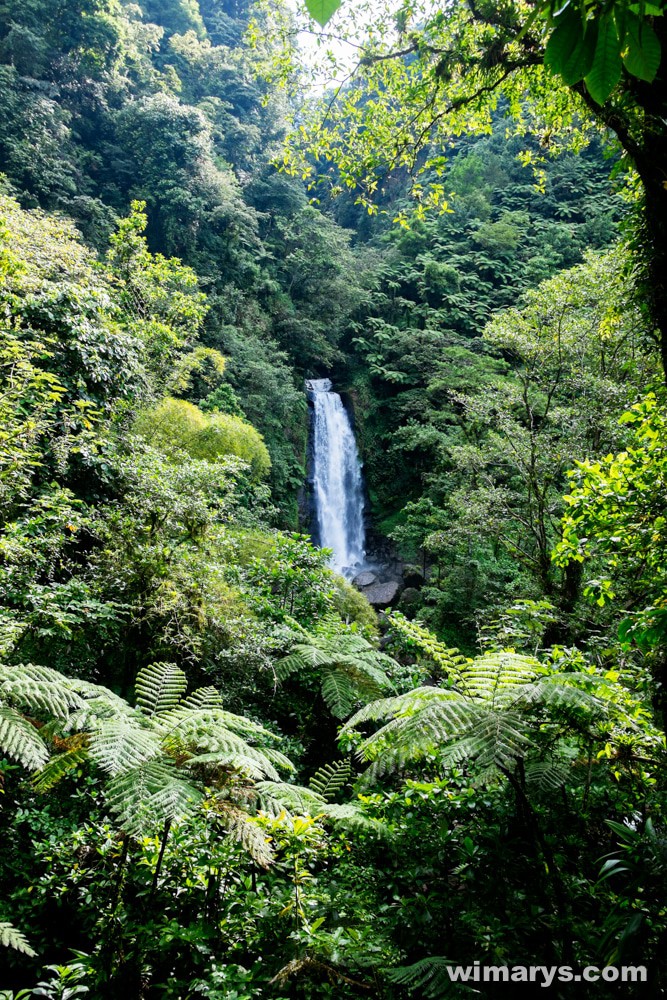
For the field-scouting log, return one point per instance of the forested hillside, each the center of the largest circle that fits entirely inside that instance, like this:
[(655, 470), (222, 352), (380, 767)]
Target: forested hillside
[(223, 773)]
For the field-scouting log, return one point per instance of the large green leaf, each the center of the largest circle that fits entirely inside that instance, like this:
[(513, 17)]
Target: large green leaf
[(571, 47), (322, 10), (641, 48), (606, 69)]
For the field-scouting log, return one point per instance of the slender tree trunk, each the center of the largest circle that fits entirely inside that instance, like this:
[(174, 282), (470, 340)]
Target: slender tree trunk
[(551, 867), (160, 858)]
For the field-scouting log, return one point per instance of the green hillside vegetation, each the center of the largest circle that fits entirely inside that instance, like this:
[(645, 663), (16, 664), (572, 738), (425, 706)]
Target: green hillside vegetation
[(223, 774)]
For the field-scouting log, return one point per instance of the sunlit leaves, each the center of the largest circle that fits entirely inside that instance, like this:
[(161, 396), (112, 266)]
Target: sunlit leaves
[(322, 10), (605, 72), (571, 47), (642, 51)]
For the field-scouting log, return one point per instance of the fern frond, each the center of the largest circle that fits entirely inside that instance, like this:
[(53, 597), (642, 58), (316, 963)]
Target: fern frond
[(247, 761), (10, 937), (559, 692), (204, 697), (277, 796), (339, 693), (241, 828), (430, 977), (330, 780), (402, 704), (186, 721), (351, 816), (302, 655), (350, 668), (424, 723), (449, 660), (118, 745), (20, 740), (547, 774), (392, 760), (58, 767), (278, 758), (39, 689), (494, 738), (496, 672), (146, 797), (160, 687), (98, 703)]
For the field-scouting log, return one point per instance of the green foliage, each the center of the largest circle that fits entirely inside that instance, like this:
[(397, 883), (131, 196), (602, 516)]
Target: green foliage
[(430, 976), (348, 666), (177, 424), (331, 779), (159, 687), (488, 712), (150, 829), (353, 607), (10, 937), (615, 505)]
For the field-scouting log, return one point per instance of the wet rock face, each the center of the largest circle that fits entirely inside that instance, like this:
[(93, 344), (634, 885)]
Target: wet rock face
[(365, 579), (382, 595)]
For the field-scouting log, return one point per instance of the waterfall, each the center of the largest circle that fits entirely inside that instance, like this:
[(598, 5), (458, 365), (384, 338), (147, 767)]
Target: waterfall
[(337, 480)]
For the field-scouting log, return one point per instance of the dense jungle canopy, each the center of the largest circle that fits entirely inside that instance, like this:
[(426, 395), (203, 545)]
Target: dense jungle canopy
[(223, 772)]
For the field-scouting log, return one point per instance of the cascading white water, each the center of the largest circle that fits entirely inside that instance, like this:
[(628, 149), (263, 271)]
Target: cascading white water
[(337, 480)]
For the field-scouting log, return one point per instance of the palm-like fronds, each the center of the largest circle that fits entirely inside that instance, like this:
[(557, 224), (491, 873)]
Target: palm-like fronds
[(242, 829), (490, 717), (38, 689), (119, 745), (350, 669), (159, 687), (58, 767), (430, 977), (331, 779), (275, 797), (10, 937), (205, 697), (157, 759), (27, 689), (146, 797), (20, 740), (448, 660)]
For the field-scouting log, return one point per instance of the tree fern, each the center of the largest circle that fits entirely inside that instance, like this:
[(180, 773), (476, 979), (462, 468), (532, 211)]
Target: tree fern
[(242, 828), (491, 716), (350, 669), (274, 797), (146, 797), (38, 689), (205, 697), (118, 745), (330, 780), (429, 978), (20, 740), (10, 937), (157, 759), (448, 660), (159, 687), (58, 767), (548, 774)]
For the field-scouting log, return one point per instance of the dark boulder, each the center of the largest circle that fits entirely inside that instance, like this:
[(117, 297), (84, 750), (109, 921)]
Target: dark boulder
[(382, 595)]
